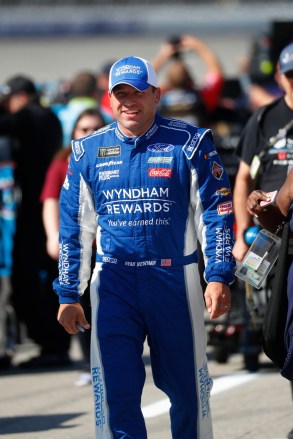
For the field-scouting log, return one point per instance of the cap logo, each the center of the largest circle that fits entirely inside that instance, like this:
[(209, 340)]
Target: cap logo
[(136, 70), (288, 57), (6, 90)]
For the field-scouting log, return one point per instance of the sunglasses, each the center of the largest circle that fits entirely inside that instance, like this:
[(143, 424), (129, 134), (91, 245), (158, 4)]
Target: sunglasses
[(289, 75), (86, 129)]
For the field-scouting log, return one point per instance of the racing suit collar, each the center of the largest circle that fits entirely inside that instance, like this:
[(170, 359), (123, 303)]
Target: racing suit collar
[(137, 140)]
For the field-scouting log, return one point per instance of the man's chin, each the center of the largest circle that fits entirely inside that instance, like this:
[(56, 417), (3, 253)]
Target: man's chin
[(130, 128)]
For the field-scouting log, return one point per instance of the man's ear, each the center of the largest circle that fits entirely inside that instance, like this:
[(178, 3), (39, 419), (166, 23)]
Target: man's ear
[(277, 76), (157, 95), (109, 94)]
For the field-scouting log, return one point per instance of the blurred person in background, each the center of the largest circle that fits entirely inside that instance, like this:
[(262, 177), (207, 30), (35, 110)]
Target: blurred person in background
[(271, 219), (36, 134), (83, 94), (87, 122), (103, 86), (265, 150), (257, 73), (182, 97), (7, 230)]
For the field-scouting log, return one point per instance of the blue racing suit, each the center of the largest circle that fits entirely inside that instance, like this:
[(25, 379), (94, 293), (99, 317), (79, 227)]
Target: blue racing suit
[(147, 201)]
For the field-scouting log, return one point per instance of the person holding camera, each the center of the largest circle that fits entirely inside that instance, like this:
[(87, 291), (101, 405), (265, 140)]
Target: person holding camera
[(182, 97)]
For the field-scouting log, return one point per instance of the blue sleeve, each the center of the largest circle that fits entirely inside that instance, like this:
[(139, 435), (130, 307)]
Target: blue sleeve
[(213, 211), (7, 217), (76, 234)]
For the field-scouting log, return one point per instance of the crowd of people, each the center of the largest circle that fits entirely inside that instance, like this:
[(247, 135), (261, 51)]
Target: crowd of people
[(34, 160), (252, 140)]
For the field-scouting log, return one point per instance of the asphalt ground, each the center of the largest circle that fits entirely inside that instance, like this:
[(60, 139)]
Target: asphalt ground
[(47, 404)]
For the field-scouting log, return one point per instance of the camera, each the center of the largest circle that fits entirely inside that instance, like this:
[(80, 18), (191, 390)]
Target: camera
[(175, 41)]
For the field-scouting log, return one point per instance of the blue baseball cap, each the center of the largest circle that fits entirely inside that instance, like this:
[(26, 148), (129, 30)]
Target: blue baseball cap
[(133, 71), (286, 59)]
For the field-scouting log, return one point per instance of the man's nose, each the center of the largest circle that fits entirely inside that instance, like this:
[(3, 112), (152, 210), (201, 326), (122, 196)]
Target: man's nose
[(129, 100)]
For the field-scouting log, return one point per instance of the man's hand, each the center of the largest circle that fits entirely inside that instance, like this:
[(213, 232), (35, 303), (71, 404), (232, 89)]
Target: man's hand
[(70, 315), (262, 205), (218, 299), (166, 51), (254, 205)]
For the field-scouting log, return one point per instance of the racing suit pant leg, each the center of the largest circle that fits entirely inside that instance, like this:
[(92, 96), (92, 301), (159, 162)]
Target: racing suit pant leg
[(118, 371), (177, 339)]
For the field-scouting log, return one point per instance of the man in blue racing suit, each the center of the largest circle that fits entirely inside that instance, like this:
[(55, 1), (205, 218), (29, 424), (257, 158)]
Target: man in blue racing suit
[(147, 189)]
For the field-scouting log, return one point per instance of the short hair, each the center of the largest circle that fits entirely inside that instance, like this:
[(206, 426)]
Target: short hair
[(84, 84)]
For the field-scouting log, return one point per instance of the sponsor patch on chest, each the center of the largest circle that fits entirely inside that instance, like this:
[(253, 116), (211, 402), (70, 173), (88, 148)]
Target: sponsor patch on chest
[(109, 151), (161, 147), (160, 172)]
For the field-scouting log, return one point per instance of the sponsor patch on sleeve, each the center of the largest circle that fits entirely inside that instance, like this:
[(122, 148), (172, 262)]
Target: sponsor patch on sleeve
[(210, 154), (223, 191), (66, 183), (225, 208), (77, 149), (217, 170)]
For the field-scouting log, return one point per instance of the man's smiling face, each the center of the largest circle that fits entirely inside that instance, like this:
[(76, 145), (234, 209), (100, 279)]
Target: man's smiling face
[(134, 110)]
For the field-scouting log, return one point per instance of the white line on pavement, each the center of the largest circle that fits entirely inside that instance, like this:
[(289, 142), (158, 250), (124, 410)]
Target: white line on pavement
[(230, 381), (220, 385)]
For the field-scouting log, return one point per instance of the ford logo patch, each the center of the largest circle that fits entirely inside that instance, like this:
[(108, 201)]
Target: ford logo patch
[(160, 147)]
